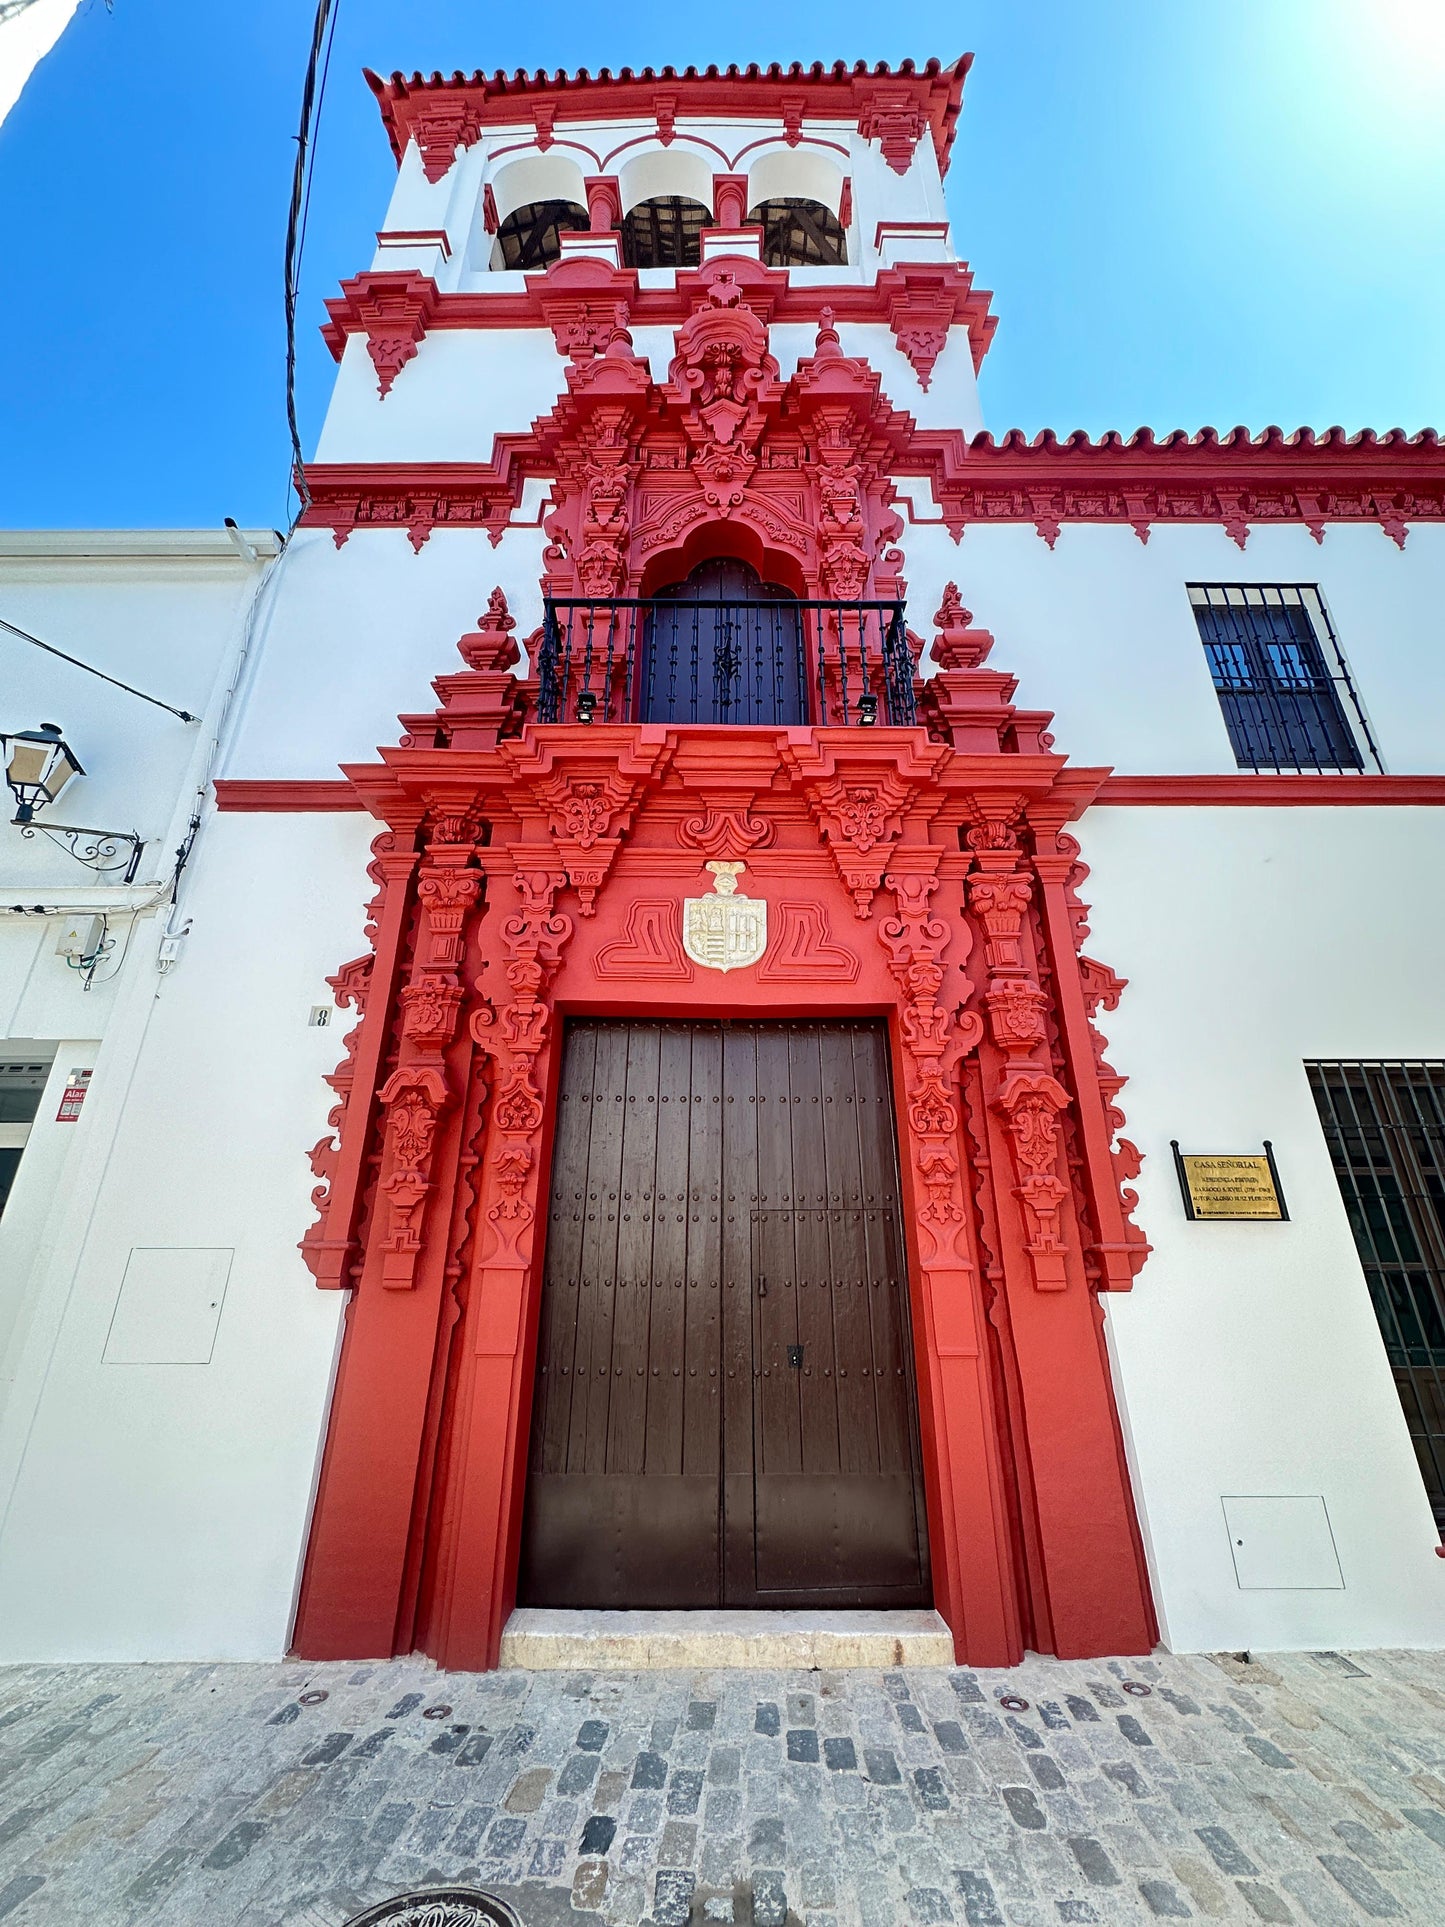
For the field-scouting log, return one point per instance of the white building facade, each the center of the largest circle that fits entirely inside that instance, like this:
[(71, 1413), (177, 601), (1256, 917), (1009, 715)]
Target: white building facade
[(674, 378)]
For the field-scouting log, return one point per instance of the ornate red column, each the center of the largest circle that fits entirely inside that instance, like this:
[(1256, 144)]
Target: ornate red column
[(355, 1597)]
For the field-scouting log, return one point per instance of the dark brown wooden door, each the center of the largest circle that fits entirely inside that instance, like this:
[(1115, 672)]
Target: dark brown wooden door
[(724, 1409)]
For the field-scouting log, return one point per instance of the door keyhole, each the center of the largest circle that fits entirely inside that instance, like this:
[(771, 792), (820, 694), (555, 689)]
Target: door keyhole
[(795, 1357)]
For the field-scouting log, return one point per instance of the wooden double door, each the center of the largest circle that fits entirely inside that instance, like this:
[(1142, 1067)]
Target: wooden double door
[(725, 1411)]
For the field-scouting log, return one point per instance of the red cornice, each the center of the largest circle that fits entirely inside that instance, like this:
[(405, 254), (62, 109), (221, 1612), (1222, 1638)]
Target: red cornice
[(1248, 791), (294, 796), (419, 497), (284, 795), (1234, 479), (1390, 482), (445, 111), (590, 283)]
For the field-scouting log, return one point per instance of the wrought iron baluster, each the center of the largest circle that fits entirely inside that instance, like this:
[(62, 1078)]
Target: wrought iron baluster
[(696, 641), (607, 662), (898, 672), (865, 673), (587, 651), (565, 686), (820, 647), (845, 708), (548, 694)]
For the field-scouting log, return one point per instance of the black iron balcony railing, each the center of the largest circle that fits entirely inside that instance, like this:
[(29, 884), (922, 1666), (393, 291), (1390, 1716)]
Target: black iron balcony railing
[(673, 660)]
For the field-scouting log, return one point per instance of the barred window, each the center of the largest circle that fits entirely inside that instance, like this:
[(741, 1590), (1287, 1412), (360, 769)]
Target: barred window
[(1385, 1125), (1282, 683)]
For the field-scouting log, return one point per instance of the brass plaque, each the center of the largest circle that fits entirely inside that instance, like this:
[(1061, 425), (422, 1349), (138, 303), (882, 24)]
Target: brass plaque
[(1230, 1187)]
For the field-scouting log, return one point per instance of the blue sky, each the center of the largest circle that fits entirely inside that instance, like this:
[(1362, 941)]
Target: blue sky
[(1190, 211)]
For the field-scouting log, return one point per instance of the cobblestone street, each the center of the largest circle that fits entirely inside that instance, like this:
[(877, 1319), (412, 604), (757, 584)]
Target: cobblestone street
[(1306, 1788)]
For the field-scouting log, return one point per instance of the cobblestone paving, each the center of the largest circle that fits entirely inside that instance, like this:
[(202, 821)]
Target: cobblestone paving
[(1306, 1788)]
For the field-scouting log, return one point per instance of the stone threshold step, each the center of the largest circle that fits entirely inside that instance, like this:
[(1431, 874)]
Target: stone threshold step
[(537, 1639)]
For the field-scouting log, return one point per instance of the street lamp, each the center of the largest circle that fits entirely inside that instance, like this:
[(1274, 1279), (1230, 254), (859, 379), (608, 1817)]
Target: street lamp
[(39, 765)]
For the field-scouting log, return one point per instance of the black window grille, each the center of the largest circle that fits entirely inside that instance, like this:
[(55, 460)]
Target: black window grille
[(1385, 1125), (800, 234), (1287, 697), (530, 237), (664, 233)]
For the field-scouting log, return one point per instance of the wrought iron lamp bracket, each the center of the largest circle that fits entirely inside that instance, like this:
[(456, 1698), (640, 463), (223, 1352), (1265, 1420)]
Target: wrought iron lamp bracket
[(104, 851)]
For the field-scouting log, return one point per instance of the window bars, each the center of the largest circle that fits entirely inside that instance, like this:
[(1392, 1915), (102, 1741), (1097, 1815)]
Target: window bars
[(1286, 693), (1385, 1126), (774, 662)]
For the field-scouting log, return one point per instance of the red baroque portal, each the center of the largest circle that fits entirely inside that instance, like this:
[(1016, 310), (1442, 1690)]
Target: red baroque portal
[(924, 875)]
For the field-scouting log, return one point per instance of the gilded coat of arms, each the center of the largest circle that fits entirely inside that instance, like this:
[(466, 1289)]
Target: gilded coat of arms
[(726, 931)]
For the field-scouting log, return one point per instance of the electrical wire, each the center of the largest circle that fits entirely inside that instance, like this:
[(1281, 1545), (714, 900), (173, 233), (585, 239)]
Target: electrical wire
[(317, 67), (50, 650)]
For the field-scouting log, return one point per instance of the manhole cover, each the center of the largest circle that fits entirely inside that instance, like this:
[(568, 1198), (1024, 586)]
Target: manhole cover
[(438, 1907)]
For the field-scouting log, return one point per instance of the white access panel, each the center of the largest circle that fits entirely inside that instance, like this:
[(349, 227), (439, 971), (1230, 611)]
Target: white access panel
[(1282, 1543), (169, 1306)]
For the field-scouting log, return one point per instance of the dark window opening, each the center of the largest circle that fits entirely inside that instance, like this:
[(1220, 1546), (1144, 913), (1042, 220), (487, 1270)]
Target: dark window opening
[(1286, 695), (665, 233), (21, 1085), (530, 237), (800, 234), (1385, 1126)]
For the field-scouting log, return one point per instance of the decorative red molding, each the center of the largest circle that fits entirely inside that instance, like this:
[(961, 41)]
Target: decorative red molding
[(1232, 480), (924, 302), (1251, 792), (349, 496), (285, 795), (552, 868), (890, 113), (444, 112), (591, 280), (421, 237), (393, 311), (439, 126), (291, 796)]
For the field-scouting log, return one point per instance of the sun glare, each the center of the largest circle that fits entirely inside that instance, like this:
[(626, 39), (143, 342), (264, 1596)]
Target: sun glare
[(1412, 31)]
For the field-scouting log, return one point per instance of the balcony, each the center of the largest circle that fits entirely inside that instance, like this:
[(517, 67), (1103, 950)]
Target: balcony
[(766, 662)]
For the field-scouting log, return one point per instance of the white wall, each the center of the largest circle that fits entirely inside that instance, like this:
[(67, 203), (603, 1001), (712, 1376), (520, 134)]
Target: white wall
[(357, 635), (1248, 1358), (1100, 629), (162, 610), (158, 1510)]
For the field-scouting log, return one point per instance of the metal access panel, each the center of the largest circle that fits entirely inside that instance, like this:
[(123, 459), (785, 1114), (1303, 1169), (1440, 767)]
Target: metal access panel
[(725, 1410), (1282, 1542)]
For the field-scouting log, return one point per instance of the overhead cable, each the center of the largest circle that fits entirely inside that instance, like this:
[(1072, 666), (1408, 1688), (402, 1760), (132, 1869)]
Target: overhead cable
[(90, 670), (317, 67)]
